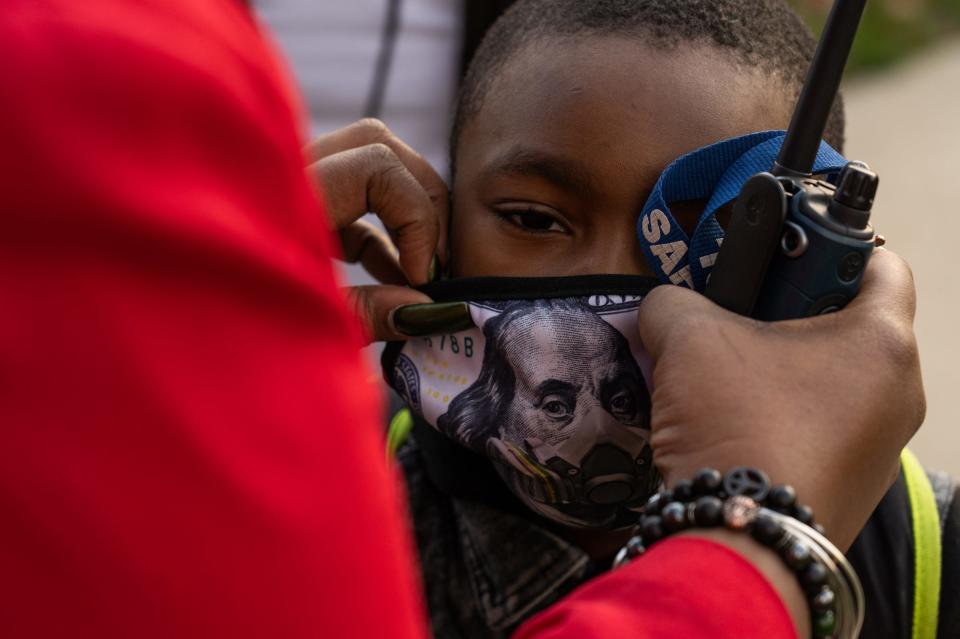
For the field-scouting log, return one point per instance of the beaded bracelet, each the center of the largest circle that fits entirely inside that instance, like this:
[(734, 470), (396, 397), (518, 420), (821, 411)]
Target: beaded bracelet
[(742, 500)]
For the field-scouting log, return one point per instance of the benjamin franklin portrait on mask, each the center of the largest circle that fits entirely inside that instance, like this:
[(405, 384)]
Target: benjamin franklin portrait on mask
[(561, 406)]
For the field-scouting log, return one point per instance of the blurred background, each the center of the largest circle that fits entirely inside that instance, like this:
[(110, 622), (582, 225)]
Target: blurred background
[(902, 95), (401, 62)]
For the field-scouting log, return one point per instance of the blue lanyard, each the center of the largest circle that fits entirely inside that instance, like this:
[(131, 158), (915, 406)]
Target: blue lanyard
[(715, 173)]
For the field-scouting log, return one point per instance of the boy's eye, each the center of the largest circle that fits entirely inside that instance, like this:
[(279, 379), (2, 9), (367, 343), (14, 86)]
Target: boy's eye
[(531, 220)]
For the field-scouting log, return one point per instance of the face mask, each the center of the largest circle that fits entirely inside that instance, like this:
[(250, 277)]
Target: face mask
[(550, 383)]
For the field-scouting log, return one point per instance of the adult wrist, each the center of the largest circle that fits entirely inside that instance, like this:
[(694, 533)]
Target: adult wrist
[(742, 501)]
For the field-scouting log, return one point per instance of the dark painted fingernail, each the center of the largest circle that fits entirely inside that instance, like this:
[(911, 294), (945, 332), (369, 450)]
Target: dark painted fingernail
[(418, 320), (433, 273)]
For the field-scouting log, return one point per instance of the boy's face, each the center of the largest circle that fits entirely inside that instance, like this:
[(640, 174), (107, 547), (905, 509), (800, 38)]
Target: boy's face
[(554, 169)]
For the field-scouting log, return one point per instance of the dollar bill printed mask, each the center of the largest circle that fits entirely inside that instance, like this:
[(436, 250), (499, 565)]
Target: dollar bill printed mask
[(550, 383)]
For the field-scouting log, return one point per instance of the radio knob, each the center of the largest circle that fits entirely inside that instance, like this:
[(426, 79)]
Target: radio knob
[(854, 195)]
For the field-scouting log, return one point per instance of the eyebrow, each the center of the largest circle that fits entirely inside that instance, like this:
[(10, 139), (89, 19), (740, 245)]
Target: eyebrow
[(555, 386), (562, 172)]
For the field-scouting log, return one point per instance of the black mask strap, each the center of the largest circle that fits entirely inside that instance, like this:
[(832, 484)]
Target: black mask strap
[(502, 289), (471, 289)]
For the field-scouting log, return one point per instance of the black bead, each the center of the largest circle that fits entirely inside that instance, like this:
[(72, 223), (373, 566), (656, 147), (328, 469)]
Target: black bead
[(653, 505), (767, 530), (683, 490), (708, 511), (707, 481), (666, 496), (803, 514), (823, 600), (782, 498), (674, 517), (797, 555), (813, 577), (651, 529), (635, 547)]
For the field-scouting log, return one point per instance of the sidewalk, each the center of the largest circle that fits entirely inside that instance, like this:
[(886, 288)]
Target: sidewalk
[(906, 124)]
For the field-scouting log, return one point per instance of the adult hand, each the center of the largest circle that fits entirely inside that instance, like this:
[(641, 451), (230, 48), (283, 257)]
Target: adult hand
[(823, 403), (365, 168)]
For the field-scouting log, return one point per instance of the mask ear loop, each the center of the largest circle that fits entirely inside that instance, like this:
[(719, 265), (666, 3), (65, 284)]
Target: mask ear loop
[(422, 320), (443, 272)]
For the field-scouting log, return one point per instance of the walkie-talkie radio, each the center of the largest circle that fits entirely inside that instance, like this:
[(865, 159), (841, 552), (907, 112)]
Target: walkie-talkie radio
[(797, 246)]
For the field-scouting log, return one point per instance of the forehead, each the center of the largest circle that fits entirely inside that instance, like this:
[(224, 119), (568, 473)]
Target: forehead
[(561, 344), (625, 105)]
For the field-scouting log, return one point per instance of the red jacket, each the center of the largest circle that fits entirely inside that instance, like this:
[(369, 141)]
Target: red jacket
[(188, 444)]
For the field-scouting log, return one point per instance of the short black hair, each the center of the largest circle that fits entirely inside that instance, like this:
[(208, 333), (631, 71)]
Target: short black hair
[(766, 35)]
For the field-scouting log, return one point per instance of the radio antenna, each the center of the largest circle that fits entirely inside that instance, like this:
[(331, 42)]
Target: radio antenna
[(809, 120)]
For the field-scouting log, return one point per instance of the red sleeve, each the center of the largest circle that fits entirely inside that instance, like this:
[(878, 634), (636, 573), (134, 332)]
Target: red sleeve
[(189, 444), (683, 588)]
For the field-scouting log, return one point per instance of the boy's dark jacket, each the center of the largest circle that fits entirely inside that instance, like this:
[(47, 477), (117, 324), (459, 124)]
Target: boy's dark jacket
[(488, 564)]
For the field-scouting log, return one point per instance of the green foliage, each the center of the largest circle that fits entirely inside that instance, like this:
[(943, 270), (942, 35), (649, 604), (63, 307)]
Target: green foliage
[(890, 32)]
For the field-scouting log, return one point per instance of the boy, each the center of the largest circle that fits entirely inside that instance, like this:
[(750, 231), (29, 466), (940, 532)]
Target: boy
[(569, 113)]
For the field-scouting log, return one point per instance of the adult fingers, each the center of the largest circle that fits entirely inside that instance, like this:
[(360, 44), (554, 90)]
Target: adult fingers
[(887, 305), (888, 287), (669, 311), (372, 131), (374, 306), (887, 292), (878, 321), (372, 178), (366, 244)]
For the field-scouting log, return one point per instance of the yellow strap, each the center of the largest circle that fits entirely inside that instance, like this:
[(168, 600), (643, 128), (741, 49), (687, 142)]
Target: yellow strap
[(926, 545), (400, 427)]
